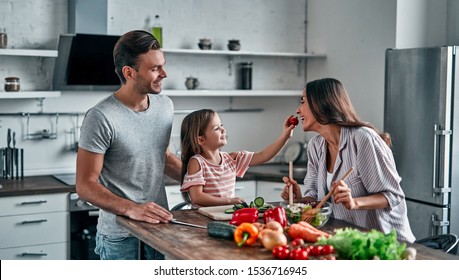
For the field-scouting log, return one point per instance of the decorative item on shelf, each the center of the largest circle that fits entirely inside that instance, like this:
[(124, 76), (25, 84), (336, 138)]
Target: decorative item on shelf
[(3, 38), (157, 31), (205, 44), (191, 83), (245, 75), (12, 84), (234, 45)]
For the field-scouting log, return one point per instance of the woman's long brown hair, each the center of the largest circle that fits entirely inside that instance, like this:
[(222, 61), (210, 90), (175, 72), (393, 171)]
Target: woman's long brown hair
[(330, 104)]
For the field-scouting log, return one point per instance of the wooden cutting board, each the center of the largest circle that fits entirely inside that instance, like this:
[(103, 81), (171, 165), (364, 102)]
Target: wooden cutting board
[(216, 212)]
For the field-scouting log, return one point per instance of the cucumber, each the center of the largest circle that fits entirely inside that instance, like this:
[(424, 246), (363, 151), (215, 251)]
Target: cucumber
[(221, 230), (229, 211), (259, 202)]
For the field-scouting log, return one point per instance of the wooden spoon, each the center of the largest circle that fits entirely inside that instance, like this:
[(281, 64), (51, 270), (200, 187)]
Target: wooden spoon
[(309, 215)]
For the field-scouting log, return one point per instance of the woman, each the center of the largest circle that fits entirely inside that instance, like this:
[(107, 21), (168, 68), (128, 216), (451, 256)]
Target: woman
[(371, 196)]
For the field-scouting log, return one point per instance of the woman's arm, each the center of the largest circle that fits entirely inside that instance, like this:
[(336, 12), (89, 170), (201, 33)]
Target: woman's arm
[(342, 194)]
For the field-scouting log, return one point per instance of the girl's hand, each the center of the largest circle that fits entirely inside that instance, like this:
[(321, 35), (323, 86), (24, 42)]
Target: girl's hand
[(235, 200), (342, 194), (288, 127), (296, 189)]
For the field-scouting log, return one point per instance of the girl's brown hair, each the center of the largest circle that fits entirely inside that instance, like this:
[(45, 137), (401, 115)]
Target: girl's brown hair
[(330, 104), (193, 126)]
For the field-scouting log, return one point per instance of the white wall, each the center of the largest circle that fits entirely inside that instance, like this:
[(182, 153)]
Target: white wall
[(354, 34), (261, 25), (421, 23)]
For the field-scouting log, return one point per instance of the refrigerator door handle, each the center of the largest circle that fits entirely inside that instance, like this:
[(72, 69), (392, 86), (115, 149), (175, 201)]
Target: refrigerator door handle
[(438, 224), (437, 132)]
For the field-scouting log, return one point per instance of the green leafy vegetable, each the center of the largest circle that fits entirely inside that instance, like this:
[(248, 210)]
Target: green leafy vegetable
[(352, 244)]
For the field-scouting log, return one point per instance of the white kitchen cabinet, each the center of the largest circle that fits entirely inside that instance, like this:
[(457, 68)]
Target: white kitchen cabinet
[(270, 191), (35, 227), (246, 190), (29, 94)]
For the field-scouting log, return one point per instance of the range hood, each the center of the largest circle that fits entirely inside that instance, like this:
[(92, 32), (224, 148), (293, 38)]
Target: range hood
[(85, 62)]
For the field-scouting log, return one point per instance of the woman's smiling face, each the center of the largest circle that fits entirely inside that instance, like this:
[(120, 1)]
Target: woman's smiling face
[(304, 111)]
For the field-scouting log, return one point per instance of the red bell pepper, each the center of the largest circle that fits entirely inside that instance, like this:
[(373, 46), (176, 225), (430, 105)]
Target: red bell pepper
[(277, 214), (244, 215)]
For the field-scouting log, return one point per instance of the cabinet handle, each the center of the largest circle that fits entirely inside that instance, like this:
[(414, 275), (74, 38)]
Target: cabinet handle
[(278, 189), (25, 254), (34, 221), (33, 202)]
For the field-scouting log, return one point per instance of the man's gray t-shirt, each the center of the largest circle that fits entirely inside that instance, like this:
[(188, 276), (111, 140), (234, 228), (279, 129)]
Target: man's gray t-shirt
[(134, 146)]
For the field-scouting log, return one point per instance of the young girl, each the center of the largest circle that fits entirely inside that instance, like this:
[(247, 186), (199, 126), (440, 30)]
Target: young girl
[(208, 174)]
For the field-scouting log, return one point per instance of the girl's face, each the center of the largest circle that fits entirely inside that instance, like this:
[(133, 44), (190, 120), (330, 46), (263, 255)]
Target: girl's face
[(307, 118), (215, 135)]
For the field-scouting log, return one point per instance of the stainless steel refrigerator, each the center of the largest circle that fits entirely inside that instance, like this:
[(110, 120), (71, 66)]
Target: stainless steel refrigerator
[(421, 112)]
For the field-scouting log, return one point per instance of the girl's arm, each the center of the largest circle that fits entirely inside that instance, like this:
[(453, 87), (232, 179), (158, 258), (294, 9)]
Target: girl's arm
[(273, 149), (204, 199)]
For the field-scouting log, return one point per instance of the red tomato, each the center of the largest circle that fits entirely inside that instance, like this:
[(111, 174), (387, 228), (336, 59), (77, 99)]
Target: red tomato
[(293, 121), (316, 250), (309, 248), (328, 249), (297, 242), (298, 254), (281, 252)]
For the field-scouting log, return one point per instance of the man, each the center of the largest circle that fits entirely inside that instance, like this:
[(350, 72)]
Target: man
[(123, 148)]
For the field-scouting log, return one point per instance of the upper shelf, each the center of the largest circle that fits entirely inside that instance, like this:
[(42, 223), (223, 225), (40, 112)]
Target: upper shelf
[(245, 53), (29, 94), (230, 93), (29, 52)]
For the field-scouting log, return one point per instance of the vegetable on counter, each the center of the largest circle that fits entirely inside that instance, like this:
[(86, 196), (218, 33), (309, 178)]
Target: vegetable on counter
[(245, 234), (352, 244), (306, 231), (244, 215), (258, 203), (221, 230), (272, 238), (277, 214)]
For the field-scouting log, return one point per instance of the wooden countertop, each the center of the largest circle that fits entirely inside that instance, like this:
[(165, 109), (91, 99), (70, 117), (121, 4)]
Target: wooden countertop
[(190, 243), (33, 185)]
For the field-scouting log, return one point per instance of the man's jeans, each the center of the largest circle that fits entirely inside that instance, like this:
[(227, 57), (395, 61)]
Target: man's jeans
[(123, 248)]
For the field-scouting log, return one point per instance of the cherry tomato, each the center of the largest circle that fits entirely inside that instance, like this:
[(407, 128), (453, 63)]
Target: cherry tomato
[(316, 250), (309, 248), (298, 254), (281, 252), (297, 242), (328, 249), (293, 121)]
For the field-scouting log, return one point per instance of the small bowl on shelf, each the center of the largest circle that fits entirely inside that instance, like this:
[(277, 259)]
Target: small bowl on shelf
[(295, 211), (205, 44)]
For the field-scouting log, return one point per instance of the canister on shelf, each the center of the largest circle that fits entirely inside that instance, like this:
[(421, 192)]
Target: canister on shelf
[(245, 74), (12, 84), (3, 38)]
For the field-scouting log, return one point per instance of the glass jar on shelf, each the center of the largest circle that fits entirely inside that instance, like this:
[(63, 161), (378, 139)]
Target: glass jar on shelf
[(12, 84)]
